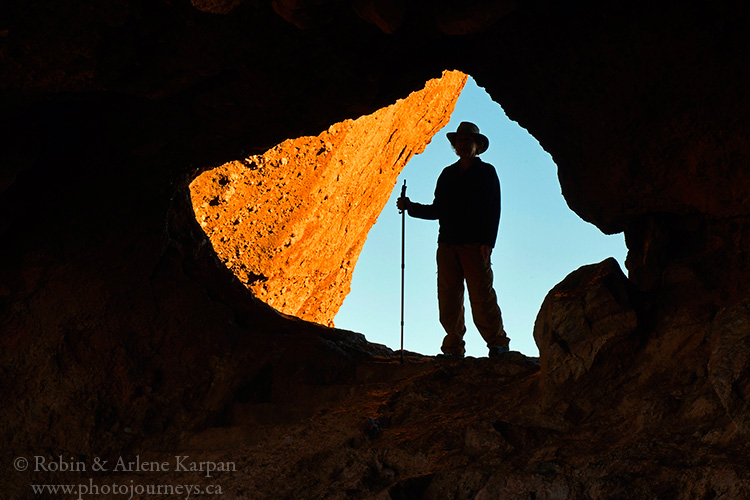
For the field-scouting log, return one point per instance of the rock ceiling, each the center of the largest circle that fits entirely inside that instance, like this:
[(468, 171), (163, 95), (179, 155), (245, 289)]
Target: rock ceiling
[(122, 330)]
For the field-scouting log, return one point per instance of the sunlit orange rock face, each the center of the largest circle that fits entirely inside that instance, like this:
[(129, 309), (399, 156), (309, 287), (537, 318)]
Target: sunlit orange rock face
[(291, 223)]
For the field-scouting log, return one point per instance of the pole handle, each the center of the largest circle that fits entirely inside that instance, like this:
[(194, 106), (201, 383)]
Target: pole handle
[(403, 194)]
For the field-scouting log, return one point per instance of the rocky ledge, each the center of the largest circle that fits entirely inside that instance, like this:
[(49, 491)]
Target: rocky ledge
[(124, 334)]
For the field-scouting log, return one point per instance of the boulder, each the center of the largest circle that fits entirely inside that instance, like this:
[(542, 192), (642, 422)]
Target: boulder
[(729, 364), (587, 326)]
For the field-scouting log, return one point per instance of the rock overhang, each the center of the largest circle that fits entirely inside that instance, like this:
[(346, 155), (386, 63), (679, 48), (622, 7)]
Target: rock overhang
[(643, 112), (291, 222)]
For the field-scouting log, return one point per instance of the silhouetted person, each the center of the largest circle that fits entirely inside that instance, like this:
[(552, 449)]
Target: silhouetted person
[(467, 206)]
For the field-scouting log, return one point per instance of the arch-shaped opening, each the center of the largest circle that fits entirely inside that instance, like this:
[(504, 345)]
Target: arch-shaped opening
[(292, 223), (540, 241)]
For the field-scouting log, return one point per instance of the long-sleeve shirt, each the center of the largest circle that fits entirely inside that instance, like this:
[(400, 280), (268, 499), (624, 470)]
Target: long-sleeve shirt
[(467, 204)]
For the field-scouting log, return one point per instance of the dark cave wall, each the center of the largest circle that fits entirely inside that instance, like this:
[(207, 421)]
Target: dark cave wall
[(639, 111), (643, 112), (119, 324), (109, 288)]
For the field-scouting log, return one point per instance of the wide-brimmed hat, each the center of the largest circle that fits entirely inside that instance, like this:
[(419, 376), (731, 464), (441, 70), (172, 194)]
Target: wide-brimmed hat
[(469, 128)]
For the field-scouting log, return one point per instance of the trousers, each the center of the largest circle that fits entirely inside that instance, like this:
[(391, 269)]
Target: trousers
[(464, 263)]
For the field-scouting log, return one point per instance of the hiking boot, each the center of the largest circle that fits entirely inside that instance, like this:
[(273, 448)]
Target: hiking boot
[(498, 350), (449, 355)]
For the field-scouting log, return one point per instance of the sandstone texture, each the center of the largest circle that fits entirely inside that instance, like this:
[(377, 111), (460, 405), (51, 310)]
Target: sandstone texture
[(290, 223), (586, 321), (123, 332)]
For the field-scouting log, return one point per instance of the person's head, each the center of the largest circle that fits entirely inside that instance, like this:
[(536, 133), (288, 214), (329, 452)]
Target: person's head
[(467, 142)]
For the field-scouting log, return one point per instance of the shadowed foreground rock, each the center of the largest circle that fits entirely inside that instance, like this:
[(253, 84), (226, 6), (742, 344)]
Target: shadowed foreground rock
[(729, 365), (587, 321), (122, 333)]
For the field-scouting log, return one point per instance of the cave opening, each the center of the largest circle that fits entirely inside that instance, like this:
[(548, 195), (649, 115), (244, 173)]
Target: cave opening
[(311, 228), (540, 241), (290, 223)]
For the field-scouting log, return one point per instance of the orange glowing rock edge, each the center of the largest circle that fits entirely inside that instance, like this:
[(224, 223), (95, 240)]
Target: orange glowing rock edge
[(291, 223)]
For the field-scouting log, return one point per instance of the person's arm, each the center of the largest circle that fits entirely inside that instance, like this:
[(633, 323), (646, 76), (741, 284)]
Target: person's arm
[(420, 211), (417, 210), (491, 196)]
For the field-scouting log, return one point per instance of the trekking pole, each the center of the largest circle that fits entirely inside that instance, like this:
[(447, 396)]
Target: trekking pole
[(403, 267)]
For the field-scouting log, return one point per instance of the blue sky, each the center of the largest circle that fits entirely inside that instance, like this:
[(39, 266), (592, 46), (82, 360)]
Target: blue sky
[(540, 241)]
